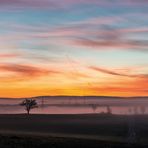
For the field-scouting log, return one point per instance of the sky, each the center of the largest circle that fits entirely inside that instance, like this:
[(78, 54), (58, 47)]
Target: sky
[(73, 47)]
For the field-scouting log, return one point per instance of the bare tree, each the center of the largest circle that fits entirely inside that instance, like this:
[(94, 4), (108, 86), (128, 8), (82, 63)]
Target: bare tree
[(109, 110), (143, 109), (94, 107), (29, 104), (136, 110)]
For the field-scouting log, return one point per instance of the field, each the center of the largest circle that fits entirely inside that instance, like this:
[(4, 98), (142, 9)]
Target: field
[(91, 130)]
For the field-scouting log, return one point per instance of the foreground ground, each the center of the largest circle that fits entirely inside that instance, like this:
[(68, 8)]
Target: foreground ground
[(19, 141), (74, 131)]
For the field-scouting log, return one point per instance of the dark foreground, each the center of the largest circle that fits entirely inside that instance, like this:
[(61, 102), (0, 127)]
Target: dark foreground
[(73, 131), (17, 141)]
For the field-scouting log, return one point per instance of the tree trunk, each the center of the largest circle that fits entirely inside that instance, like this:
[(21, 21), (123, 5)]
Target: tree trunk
[(28, 111)]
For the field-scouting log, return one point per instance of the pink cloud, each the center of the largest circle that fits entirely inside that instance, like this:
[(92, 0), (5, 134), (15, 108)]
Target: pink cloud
[(23, 72), (112, 44), (65, 3), (19, 5), (9, 55)]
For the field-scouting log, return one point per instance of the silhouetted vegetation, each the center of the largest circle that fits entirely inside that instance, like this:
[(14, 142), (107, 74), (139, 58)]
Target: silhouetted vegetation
[(109, 110), (29, 104), (143, 109)]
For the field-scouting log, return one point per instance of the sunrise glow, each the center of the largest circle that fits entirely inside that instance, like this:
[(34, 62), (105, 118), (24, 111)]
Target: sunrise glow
[(73, 47)]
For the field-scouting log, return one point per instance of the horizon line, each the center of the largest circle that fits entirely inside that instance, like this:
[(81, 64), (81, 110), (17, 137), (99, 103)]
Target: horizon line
[(126, 97)]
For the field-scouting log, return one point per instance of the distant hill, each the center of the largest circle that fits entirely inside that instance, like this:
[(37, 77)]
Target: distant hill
[(79, 97)]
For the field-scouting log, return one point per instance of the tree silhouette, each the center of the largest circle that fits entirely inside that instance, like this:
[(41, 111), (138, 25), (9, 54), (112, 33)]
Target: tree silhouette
[(109, 110), (94, 107), (29, 104), (143, 109), (136, 110)]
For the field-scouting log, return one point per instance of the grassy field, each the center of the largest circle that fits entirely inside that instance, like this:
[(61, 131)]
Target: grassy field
[(70, 131)]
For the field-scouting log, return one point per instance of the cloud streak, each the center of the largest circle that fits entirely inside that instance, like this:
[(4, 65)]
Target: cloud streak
[(48, 3), (97, 33), (116, 73), (23, 72), (29, 4), (118, 44), (9, 55)]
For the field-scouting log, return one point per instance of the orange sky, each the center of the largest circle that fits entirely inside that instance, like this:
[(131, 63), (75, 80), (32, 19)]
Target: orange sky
[(90, 81)]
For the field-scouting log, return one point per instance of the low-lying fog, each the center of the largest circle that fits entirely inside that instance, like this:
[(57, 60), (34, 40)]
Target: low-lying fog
[(79, 105)]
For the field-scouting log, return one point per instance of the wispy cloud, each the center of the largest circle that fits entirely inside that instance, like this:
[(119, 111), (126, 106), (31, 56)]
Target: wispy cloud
[(57, 4), (137, 86), (29, 4), (117, 73), (113, 44), (9, 55), (97, 33), (22, 72)]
